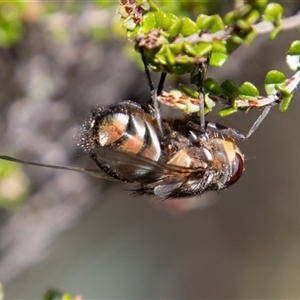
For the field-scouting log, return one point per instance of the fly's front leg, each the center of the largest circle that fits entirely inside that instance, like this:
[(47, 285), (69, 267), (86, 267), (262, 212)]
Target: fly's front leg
[(235, 134), (262, 116)]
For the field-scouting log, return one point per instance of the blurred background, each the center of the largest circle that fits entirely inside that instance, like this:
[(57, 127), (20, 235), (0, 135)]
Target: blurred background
[(87, 236)]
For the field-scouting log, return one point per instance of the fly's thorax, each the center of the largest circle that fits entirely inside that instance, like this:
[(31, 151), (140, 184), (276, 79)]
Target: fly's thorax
[(124, 127), (181, 158), (188, 148)]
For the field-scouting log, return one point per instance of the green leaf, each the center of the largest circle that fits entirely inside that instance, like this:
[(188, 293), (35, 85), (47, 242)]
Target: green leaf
[(165, 56), (236, 39), (189, 91), (219, 54), (210, 23), (148, 22), (252, 17), (274, 76), (180, 68), (249, 36), (259, 4), (157, 19), (293, 56), (219, 46), (230, 17), (227, 111), (286, 97), (272, 79), (176, 48), (202, 49), (198, 50), (273, 13), (218, 59), (285, 102), (248, 91), (208, 103), (168, 19), (229, 89), (248, 20), (170, 58), (210, 85), (184, 26), (274, 33)]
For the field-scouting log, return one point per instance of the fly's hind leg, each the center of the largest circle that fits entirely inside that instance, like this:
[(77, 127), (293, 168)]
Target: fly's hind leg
[(153, 104), (202, 67)]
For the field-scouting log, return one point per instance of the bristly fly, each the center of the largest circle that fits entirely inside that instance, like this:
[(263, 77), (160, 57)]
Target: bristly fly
[(167, 158)]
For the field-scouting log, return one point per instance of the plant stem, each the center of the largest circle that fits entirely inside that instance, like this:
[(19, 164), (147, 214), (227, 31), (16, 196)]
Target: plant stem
[(153, 5)]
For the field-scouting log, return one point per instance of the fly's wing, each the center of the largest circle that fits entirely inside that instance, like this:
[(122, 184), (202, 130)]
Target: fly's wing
[(164, 191), (143, 170), (92, 172), (132, 167)]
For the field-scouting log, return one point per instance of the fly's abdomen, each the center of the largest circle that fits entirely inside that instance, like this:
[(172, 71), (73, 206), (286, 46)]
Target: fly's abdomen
[(128, 133)]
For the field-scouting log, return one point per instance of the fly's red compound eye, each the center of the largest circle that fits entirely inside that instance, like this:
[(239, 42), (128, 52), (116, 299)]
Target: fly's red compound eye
[(238, 168)]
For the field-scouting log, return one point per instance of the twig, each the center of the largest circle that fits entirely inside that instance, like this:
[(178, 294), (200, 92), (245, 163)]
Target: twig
[(259, 28), (286, 24)]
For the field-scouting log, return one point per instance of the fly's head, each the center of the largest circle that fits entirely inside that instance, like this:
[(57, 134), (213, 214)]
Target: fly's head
[(227, 161)]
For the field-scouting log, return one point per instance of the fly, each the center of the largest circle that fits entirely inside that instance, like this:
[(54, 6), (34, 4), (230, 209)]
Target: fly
[(166, 158)]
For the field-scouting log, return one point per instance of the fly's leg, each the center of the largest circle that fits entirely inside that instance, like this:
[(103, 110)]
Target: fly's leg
[(160, 86), (147, 71), (262, 116), (148, 75), (239, 136), (201, 74), (157, 113), (154, 93)]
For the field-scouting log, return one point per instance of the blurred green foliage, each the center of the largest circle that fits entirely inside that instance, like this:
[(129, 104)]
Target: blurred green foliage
[(53, 294), (11, 22), (13, 185)]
